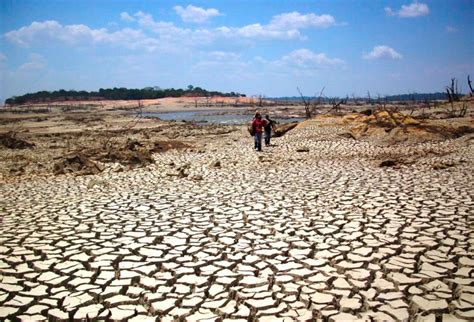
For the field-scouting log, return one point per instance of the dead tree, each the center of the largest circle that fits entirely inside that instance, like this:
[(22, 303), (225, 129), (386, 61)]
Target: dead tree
[(354, 99), (452, 91), (382, 105), (470, 85), (335, 106), (310, 107), (260, 100), (425, 105), (111, 140), (306, 103), (317, 102)]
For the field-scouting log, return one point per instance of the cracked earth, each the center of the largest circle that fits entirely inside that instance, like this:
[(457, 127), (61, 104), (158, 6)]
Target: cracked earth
[(322, 234)]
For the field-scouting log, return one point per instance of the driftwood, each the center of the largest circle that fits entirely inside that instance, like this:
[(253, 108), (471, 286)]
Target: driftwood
[(281, 129)]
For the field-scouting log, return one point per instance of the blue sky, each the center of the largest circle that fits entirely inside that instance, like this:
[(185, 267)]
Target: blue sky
[(253, 47)]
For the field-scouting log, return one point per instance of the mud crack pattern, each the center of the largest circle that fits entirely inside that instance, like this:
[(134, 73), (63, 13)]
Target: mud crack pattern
[(278, 236)]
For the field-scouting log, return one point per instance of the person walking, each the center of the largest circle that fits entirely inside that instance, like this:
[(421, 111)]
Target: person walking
[(257, 126), (269, 126)]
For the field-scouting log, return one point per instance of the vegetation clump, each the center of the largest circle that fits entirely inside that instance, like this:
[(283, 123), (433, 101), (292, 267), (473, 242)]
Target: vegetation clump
[(115, 94), (10, 141)]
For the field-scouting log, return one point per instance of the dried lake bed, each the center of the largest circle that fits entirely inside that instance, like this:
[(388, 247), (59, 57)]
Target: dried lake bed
[(313, 228)]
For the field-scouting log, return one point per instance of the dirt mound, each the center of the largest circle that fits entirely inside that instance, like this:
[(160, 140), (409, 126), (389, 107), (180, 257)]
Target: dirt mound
[(397, 127), (78, 164), (10, 141), (131, 154), (163, 146), (138, 157)]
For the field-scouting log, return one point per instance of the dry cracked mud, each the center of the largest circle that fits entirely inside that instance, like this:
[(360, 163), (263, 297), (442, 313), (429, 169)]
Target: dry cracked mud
[(234, 235)]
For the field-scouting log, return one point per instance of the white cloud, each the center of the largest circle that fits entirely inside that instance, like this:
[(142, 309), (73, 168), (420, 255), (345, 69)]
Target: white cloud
[(35, 62), (284, 26), (146, 20), (165, 35), (258, 31), (295, 20), (450, 29), (223, 55), (382, 52), (25, 35), (307, 59), (172, 37), (126, 17), (196, 14), (412, 10), (44, 32), (301, 59)]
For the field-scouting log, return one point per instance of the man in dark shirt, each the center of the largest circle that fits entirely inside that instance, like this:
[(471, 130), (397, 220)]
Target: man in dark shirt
[(268, 129)]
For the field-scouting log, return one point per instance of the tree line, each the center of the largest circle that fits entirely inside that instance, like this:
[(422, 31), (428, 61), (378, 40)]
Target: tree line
[(114, 94)]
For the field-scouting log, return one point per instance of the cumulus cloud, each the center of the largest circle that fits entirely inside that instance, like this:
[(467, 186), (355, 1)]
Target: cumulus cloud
[(51, 30), (126, 17), (223, 55), (146, 20), (305, 58), (382, 51), (156, 35), (412, 10), (196, 14), (170, 35), (295, 20), (258, 31), (35, 62), (284, 26)]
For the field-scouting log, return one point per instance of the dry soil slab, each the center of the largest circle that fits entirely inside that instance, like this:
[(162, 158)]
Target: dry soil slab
[(229, 233)]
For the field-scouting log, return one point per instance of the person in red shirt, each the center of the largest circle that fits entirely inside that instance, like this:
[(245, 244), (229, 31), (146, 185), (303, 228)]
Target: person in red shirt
[(258, 124)]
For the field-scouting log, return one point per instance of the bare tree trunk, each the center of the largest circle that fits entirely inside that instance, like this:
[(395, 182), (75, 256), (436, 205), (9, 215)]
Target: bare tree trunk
[(448, 94), (454, 90), (260, 100), (335, 106), (470, 85), (318, 102), (306, 105)]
